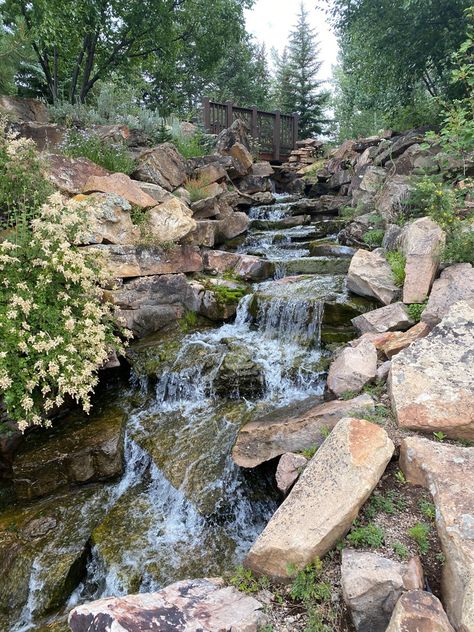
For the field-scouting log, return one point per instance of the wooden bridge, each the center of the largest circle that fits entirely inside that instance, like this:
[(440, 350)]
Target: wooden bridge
[(275, 133)]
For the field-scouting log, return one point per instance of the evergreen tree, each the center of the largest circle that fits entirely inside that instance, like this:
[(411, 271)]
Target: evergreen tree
[(281, 89), (301, 91)]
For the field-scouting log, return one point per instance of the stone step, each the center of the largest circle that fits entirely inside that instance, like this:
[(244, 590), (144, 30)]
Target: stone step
[(314, 265)]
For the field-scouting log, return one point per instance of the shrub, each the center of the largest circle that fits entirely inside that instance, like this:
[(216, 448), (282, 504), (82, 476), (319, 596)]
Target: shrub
[(197, 188), (55, 330), (419, 533), (114, 157), (370, 536), (400, 550), (415, 311), (245, 581), (397, 262), (22, 183), (435, 199), (190, 146), (427, 509), (305, 586), (459, 246), (374, 237)]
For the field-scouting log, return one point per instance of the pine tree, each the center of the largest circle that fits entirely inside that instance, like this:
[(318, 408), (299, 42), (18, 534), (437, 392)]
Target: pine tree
[(282, 93), (301, 89)]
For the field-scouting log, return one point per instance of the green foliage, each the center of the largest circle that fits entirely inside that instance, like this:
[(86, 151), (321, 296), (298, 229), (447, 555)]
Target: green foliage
[(226, 295), (415, 311), (114, 157), (310, 452), (305, 585), (191, 146), (419, 533), (55, 330), (459, 246), (390, 504), (439, 436), (189, 321), (427, 509), (197, 188), (400, 550), (397, 262), (325, 432), (14, 50), (435, 199), (22, 183), (370, 536), (374, 390), (374, 237), (400, 477), (348, 395), (244, 580)]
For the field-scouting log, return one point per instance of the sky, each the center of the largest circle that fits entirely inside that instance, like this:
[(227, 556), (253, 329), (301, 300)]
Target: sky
[(270, 21)]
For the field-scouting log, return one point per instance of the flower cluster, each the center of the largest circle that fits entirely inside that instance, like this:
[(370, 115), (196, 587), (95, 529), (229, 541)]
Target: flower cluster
[(55, 329)]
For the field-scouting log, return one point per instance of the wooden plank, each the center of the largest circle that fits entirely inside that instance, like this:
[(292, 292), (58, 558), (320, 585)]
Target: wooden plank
[(206, 106), (276, 135)]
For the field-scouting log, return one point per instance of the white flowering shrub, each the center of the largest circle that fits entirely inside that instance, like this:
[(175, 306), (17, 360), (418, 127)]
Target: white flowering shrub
[(55, 329)]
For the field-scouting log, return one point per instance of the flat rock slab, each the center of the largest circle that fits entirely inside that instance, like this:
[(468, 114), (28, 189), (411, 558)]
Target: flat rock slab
[(431, 383), (419, 611), (370, 275), (69, 175), (202, 605), (372, 585), (245, 266), (388, 318), (119, 184), (293, 428), (325, 501), (353, 368), (448, 473), (396, 341), (455, 284)]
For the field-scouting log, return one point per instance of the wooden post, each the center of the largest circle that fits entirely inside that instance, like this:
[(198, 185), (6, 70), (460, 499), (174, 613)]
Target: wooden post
[(295, 129), (230, 114), (276, 135), (206, 106), (254, 124)]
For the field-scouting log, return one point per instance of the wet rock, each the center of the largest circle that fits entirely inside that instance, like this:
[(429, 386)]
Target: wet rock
[(419, 610), (244, 266), (353, 368), (456, 283), (119, 184), (399, 340), (162, 165), (239, 375), (288, 470), (446, 470), (200, 604), (212, 300), (394, 194), (136, 261), (389, 318), (330, 249), (263, 198), (70, 454), (231, 226), (324, 502), (69, 175), (293, 428), (315, 265), (110, 221), (169, 221), (326, 204), (370, 275), (430, 382), (421, 242), (372, 585)]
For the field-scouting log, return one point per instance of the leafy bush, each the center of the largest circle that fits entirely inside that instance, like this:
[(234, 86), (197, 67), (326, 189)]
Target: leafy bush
[(435, 199), (55, 330), (22, 183), (369, 536), (114, 157), (397, 262), (400, 550), (374, 237), (190, 146), (245, 581), (459, 246)]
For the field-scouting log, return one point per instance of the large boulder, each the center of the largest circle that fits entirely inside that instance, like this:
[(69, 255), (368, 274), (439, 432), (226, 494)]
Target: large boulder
[(417, 610), (237, 133), (431, 382), (170, 221), (206, 605), (246, 267), (370, 275), (19, 109), (421, 242), (293, 428), (162, 165), (69, 175), (119, 184), (135, 261), (325, 501), (73, 453), (231, 226), (353, 368), (372, 585), (46, 136), (456, 283), (394, 194), (254, 184), (447, 471), (389, 318), (110, 219), (398, 146)]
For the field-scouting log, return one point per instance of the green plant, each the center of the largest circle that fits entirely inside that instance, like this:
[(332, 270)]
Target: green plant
[(348, 395), (400, 477), (268, 627), (374, 237), (225, 294), (316, 622), (305, 586), (369, 536), (325, 432), (188, 321), (441, 558), (390, 504), (400, 550), (244, 580), (415, 311), (191, 146), (397, 262), (432, 197), (427, 509), (55, 329), (114, 157), (22, 182), (419, 533), (380, 415), (459, 246), (439, 436), (310, 452), (375, 390), (198, 188)]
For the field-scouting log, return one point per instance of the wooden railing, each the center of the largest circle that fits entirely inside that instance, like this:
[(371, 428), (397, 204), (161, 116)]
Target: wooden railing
[(275, 133)]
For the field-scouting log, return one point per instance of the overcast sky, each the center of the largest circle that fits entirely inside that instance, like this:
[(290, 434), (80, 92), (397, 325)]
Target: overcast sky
[(272, 20)]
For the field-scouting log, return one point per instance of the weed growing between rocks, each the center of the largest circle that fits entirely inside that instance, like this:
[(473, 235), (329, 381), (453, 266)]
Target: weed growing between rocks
[(397, 262), (114, 157)]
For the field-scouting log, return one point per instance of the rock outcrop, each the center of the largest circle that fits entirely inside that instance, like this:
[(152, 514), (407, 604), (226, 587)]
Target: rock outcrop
[(372, 585), (370, 275), (293, 428), (431, 382), (162, 165), (119, 184), (69, 175), (170, 221), (389, 318), (206, 605), (324, 502), (447, 472)]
